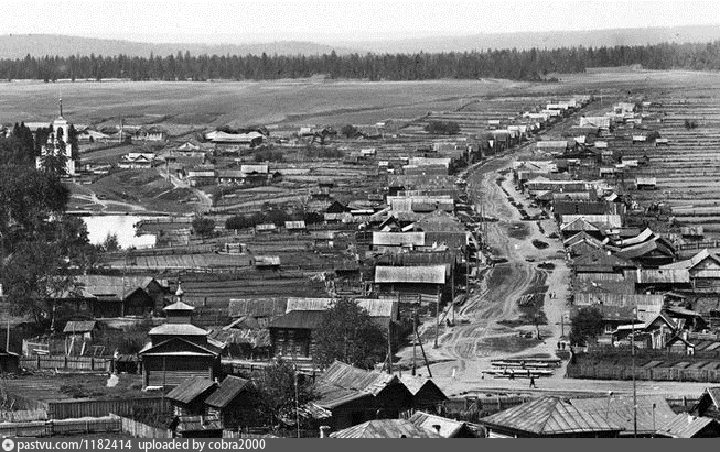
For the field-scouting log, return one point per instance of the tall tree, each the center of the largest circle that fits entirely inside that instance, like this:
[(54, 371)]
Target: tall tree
[(350, 335)]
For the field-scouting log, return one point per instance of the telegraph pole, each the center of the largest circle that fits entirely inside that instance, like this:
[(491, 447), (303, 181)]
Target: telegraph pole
[(632, 342), (415, 338)]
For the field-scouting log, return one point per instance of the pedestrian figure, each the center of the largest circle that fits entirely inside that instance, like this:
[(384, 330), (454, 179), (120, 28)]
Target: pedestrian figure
[(532, 381)]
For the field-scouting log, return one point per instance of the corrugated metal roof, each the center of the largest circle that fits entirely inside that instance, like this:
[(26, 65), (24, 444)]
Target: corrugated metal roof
[(549, 416), (684, 425), (420, 274), (448, 427), (79, 326), (190, 389), (228, 390), (308, 304), (385, 428), (306, 319)]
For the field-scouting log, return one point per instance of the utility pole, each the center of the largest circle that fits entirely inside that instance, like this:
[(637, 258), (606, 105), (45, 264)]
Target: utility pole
[(437, 321), (389, 352), (632, 342), (415, 338)]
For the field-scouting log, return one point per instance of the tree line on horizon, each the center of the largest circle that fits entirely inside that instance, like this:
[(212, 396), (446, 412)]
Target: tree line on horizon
[(532, 64)]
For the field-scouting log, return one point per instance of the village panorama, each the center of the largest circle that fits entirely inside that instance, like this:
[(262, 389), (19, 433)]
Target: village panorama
[(490, 244)]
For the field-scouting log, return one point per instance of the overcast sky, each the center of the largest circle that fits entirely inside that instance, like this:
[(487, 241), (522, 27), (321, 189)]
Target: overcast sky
[(239, 21)]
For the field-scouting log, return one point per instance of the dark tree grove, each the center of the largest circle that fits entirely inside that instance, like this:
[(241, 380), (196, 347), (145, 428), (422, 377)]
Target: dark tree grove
[(532, 64)]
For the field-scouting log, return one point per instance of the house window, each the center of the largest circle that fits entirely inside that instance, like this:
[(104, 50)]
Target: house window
[(609, 328)]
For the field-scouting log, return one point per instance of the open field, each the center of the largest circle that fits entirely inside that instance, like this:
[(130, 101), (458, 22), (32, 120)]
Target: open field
[(186, 105)]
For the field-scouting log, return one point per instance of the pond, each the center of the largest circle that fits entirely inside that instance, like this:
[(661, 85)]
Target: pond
[(99, 227)]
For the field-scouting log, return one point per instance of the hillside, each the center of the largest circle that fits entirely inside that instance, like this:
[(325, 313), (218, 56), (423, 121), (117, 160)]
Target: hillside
[(549, 39), (17, 46)]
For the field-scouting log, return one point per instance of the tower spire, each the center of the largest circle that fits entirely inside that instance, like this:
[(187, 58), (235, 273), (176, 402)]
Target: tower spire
[(61, 109)]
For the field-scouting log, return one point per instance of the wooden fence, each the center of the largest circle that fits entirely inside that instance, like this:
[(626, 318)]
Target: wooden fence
[(102, 425), (139, 430), (79, 364), (34, 414), (76, 408), (607, 371)]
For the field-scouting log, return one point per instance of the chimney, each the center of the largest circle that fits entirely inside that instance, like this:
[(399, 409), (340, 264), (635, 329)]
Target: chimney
[(323, 431)]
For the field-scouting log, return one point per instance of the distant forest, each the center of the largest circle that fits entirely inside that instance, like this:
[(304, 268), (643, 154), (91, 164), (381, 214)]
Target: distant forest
[(533, 64)]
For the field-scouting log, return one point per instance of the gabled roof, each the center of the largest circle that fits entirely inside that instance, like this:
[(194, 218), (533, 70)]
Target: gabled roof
[(228, 390), (179, 306), (385, 428), (257, 307), (176, 346), (190, 389), (693, 261), (299, 319), (644, 236), (349, 377), (448, 427), (549, 416), (415, 383), (420, 274), (175, 329), (329, 396), (684, 425), (655, 245), (79, 326)]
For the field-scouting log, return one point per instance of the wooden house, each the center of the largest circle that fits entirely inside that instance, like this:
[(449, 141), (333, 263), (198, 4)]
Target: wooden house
[(234, 403), (188, 398), (652, 411), (703, 268), (427, 396), (391, 396), (291, 335), (685, 425), (708, 404), (419, 279), (118, 296), (548, 417), (178, 351)]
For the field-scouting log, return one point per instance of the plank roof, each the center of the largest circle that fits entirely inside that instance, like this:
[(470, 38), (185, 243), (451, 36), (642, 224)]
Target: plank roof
[(448, 427), (79, 326), (299, 319), (349, 377), (549, 416), (229, 389), (257, 307), (684, 425), (191, 388), (618, 410), (385, 428), (420, 274), (177, 329)]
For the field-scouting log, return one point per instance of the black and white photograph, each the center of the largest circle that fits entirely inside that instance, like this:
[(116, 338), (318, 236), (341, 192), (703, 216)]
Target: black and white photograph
[(228, 222)]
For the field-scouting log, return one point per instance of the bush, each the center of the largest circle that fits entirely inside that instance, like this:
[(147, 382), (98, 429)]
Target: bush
[(443, 127), (203, 226)]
